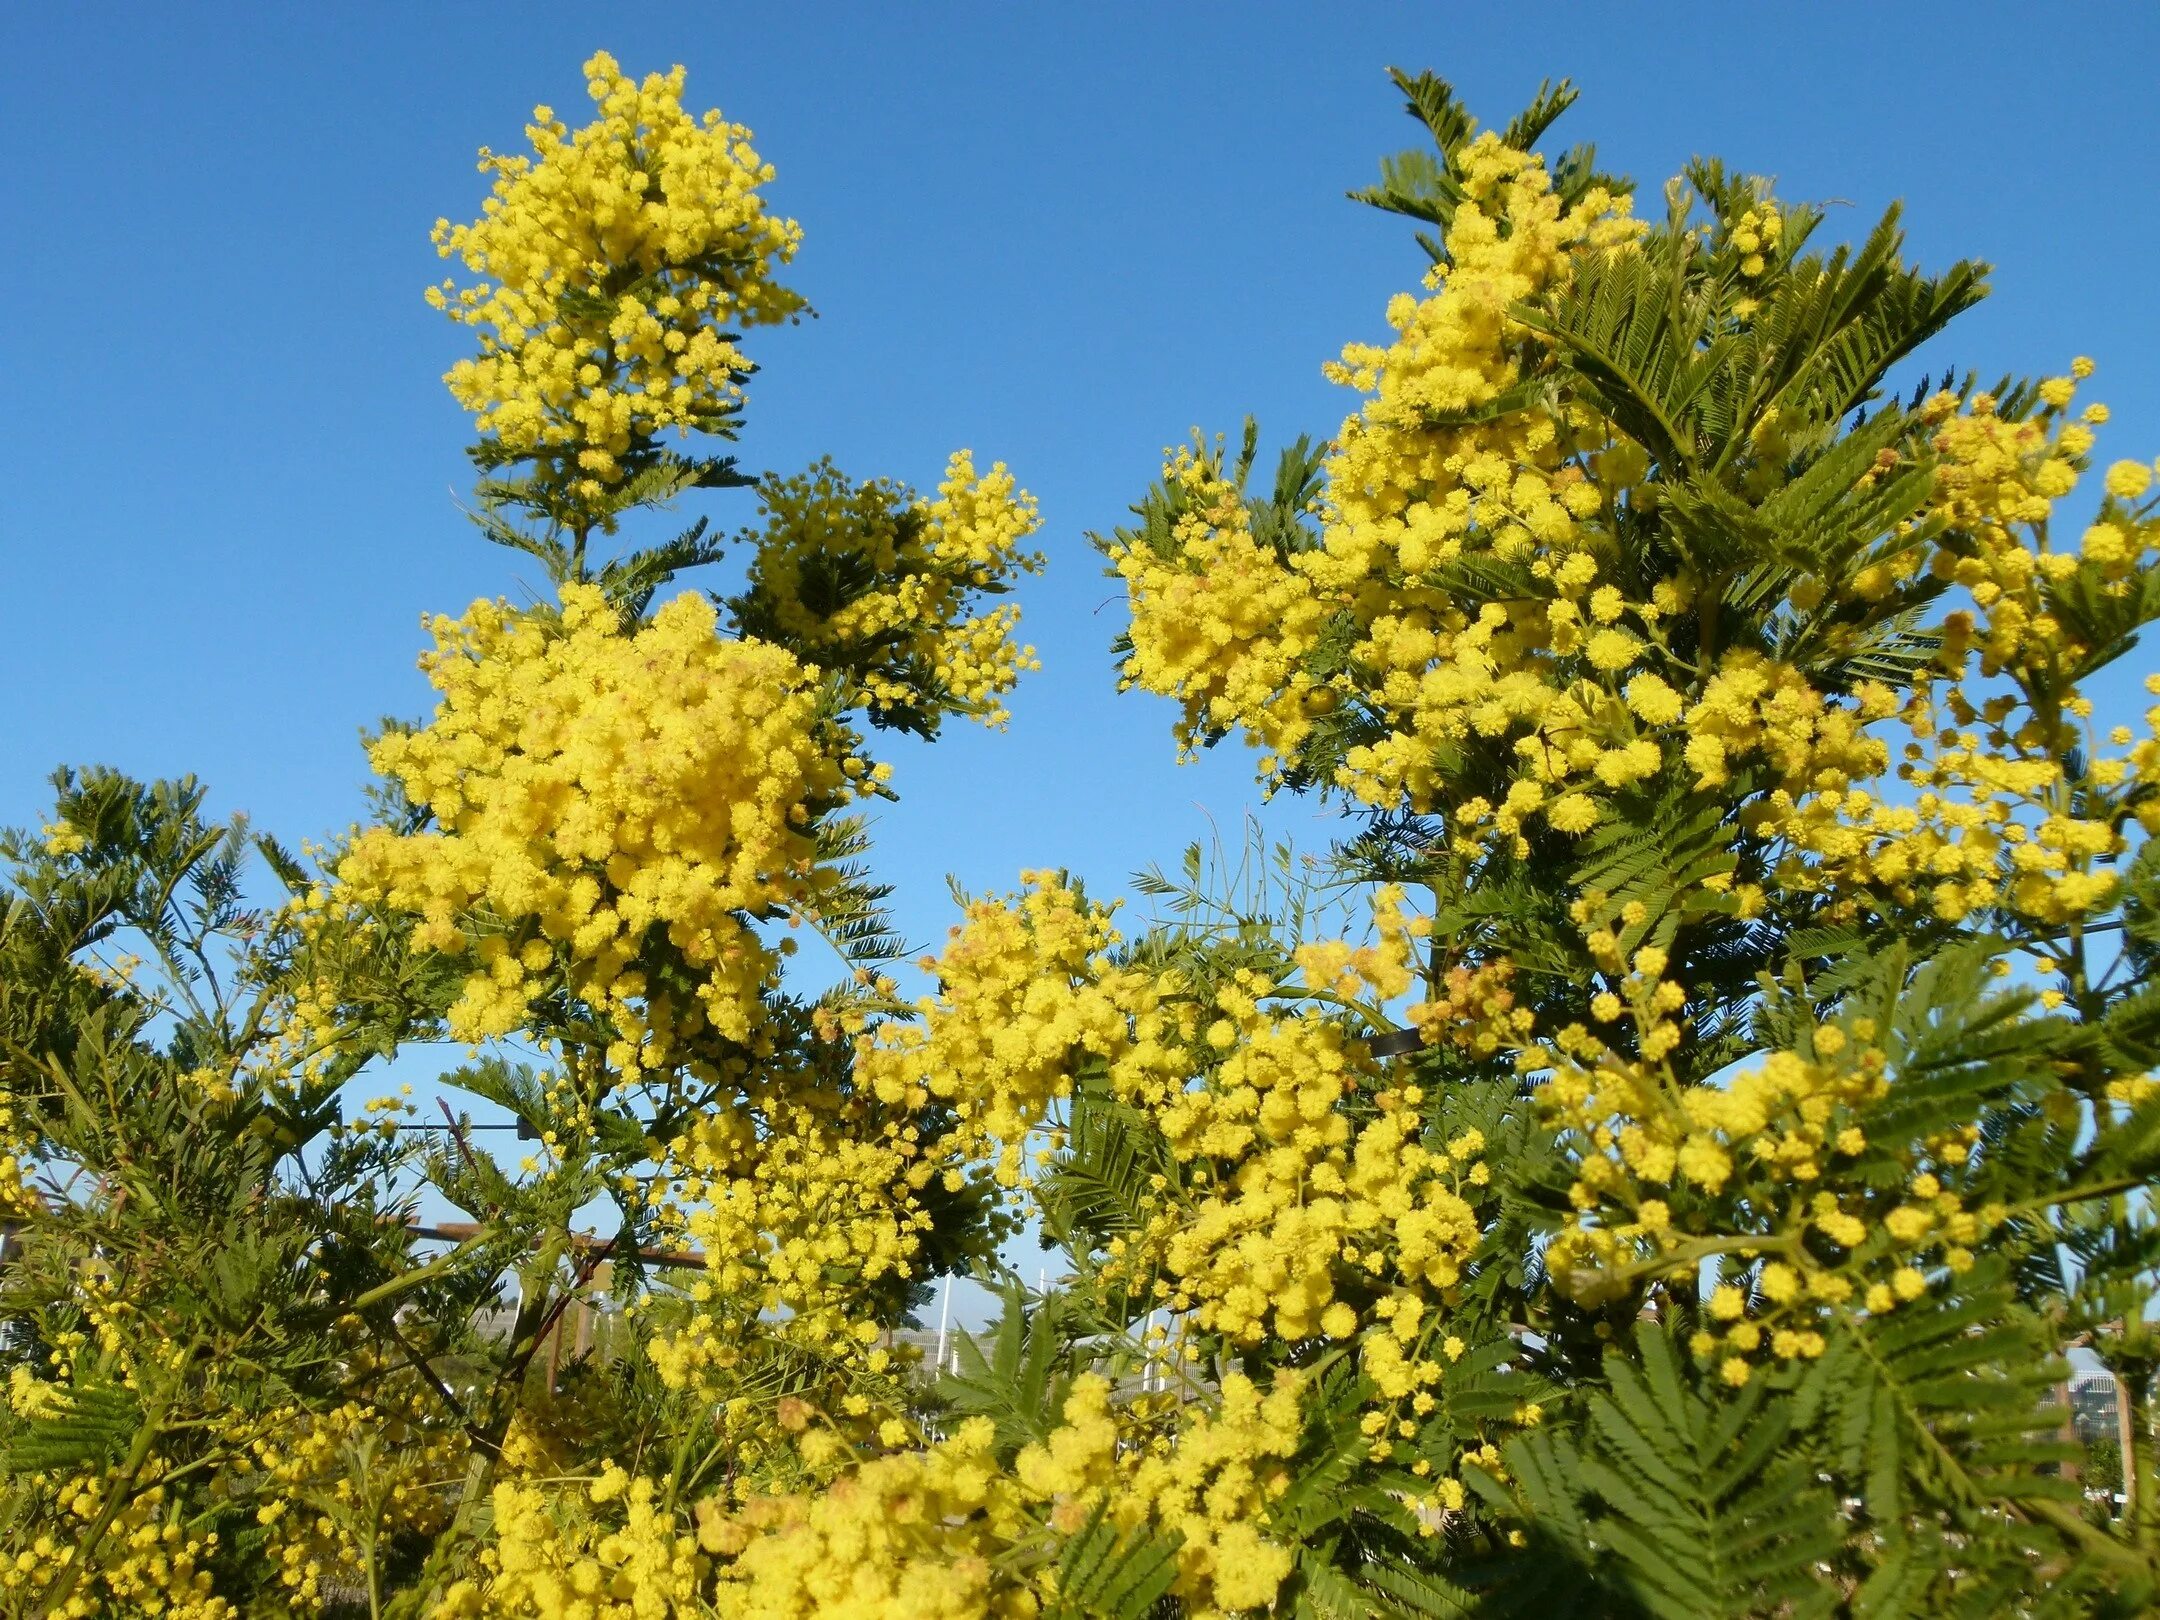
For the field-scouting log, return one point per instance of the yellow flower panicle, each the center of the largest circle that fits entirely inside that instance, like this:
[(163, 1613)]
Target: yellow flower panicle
[(591, 785), (1310, 1199), (620, 1554), (1653, 1155), (618, 264), (1219, 622), (913, 1536), (883, 588), (1018, 997), (1229, 627), (939, 1531), (1456, 351), (805, 1208), (1985, 816), (1209, 1481)]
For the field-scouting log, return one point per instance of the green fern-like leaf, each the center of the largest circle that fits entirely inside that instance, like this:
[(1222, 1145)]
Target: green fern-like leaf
[(1700, 1507), (1104, 1573), (95, 1429), (1097, 1188), (1940, 1402), (1022, 1382)]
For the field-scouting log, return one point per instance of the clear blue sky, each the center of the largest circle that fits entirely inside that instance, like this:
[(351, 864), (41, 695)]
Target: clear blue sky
[(1059, 235)]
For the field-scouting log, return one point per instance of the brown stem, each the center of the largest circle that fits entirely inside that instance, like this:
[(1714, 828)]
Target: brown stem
[(2133, 1418)]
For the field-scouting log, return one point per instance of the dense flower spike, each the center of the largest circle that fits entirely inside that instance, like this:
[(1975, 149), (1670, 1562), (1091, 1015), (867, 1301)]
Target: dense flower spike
[(1219, 622), (595, 787), (807, 1210), (937, 1531), (585, 1569), (1714, 693), (618, 261), (915, 1534), (1015, 1004)]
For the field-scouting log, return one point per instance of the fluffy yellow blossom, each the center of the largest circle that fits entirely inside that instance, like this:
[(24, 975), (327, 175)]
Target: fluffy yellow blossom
[(1208, 1483), (617, 264), (1017, 1000), (805, 1208), (64, 839), (624, 1556), (915, 1536), (1211, 1487), (1227, 625), (149, 1560), (1219, 620), (1641, 1138), (596, 790), (864, 579), (316, 1524)]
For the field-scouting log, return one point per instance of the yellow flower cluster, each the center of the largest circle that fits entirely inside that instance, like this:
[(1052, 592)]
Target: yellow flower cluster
[(1755, 237), (1996, 484), (1308, 1199), (1991, 824), (942, 1533), (321, 1484), (1219, 622), (17, 1148), (1989, 817), (913, 1536), (1020, 989), (148, 1561), (333, 1482), (1427, 490), (617, 262), (1755, 707), (1290, 1203), (1211, 1485), (1260, 1251), (594, 787), (868, 581), (802, 1211), (63, 839), (1285, 1185), (1567, 680), (558, 1559), (1650, 1152), (1430, 476), (1209, 1481)]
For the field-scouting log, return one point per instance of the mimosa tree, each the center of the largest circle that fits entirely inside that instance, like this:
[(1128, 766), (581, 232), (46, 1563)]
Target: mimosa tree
[(1659, 1161)]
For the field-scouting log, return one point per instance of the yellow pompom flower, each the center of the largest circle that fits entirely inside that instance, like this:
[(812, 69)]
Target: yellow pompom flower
[(2127, 480)]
